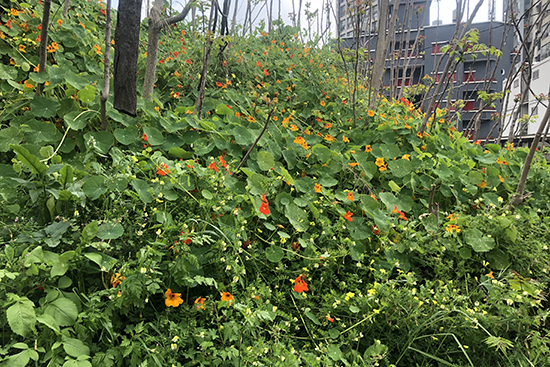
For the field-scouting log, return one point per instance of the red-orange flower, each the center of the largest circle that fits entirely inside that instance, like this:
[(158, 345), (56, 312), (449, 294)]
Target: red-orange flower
[(213, 166), (227, 297), (375, 230), (163, 169), (350, 196), (300, 285), (172, 299), (264, 208), (348, 215), (318, 188)]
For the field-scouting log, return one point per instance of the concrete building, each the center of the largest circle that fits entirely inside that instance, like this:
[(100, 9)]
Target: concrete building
[(417, 48)]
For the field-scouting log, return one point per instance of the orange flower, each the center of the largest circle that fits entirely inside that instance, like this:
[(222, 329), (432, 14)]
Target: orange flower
[(368, 149), (330, 319), (116, 279), (375, 230), (264, 208), (59, 21), (348, 215), (323, 103), (353, 164), (383, 168), (172, 299), (327, 125), (300, 285), (379, 162), (259, 64), (200, 302), (251, 119), (307, 132), (370, 113), (293, 127), (350, 196), (345, 139), (299, 140), (318, 188), (374, 197), (500, 178), (213, 166), (483, 184), (227, 297), (163, 169), (329, 138), (266, 73)]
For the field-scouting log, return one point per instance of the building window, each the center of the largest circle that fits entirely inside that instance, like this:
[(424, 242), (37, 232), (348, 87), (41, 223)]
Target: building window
[(469, 106), (535, 75)]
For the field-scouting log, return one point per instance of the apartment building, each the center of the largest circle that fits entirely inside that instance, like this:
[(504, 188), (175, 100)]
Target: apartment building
[(417, 51)]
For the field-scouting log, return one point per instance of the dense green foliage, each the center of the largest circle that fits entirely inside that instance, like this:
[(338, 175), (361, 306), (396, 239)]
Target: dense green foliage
[(320, 250)]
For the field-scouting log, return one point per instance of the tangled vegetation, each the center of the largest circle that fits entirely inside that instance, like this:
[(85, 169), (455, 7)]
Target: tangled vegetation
[(170, 239)]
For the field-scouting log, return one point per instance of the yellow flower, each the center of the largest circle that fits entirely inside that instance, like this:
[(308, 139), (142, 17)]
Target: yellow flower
[(383, 168), (370, 113), (329, 138), (14, 12), (407, 157), (500, 178), (379, 162), (199, 302), (293, 127), (349, 295), (157, 108), (299, 140), (345, 139), (451, 227), (22, 48)]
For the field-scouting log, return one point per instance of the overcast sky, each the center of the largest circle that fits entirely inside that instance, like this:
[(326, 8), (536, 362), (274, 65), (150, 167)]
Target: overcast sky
[(445, 12)]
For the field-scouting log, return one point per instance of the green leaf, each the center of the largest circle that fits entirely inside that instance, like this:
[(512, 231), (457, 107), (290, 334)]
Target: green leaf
[(354, 309), (66, 175), (498, 259), (390, 201), (274, 254), (126, 136), (39, 77), (29, 160), (44, 107), (474, 237), (10, 135), (154, 137), (312, 317), (142, 188), (334, 352), (400, 167), (222, 109), (94, 187), (265, 160), (77, 120), (21, 316), (242, 136), (105, 262), (180, 153), (49, 321), (110, 231), (63, 310), (75, 347), (100, 141), (297, 217), (59, 268), (89, 232), (74, 80), (87, 95), (322, 153), (20, 359)]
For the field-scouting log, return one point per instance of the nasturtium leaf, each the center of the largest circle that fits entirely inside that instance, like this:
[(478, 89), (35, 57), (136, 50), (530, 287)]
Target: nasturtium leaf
[(243, 136), (63, 310), (10, 135), (89, 232), (334, 333), (64, 282), (274, 253), (297, 217), (390, 151), (265, 160), (334, 352), (390, 200), (87, 94), (354, 309), (59, 268), (163, 217), (328, 181), (498, 259), (357, 230), (207, 194), (480, 243), (154, 136), (101, 141), (75, 347), (105, 262), (39, 77), (142, 188), (321, 152), (44, 107), (76, 81), (465, 252), (312, 317), (110, 231), (495, 148), (400, 167), (94, 187), (21, 316), (394, 187), (222, 109), (77, 120), (20, 359), (126, 136)]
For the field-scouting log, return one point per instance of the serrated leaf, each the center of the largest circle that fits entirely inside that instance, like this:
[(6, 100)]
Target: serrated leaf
[(63, 310), (49, 321), (75, 347), (21, 316)]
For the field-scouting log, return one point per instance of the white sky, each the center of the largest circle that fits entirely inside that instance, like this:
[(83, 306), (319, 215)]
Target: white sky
[(446, 8)]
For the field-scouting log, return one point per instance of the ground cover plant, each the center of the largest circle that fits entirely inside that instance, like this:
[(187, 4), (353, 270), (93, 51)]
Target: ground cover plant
[(170, 239)]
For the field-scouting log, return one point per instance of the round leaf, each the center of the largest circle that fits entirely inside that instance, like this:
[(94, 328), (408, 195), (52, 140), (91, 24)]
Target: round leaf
[(274, 254), (110, 231)]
